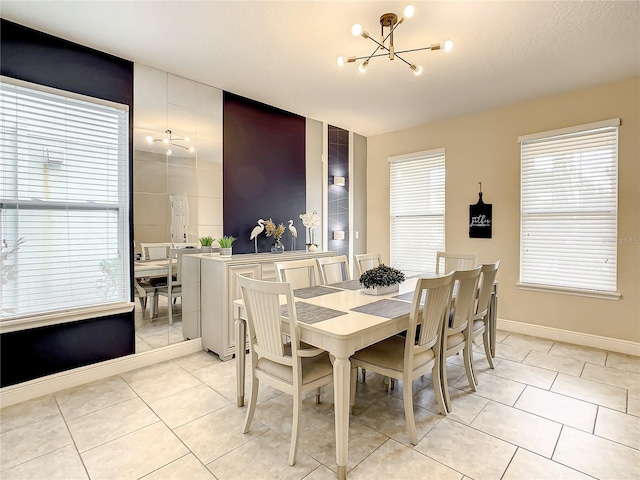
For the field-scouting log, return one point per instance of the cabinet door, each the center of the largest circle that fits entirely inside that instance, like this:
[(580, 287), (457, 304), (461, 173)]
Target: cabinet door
[(269, 272), (250, 270)]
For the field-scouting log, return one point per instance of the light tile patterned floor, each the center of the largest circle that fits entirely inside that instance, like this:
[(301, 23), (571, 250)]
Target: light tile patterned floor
[(547, 411)]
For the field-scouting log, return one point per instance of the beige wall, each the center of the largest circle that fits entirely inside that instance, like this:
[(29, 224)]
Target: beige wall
[(484, 148)]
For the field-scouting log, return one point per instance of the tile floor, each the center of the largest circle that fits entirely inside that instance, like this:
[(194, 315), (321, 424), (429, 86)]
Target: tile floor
[(158, 333), (548, 411)]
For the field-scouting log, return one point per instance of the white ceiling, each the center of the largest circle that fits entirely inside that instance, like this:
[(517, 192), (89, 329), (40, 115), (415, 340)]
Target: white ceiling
[(284, 53)]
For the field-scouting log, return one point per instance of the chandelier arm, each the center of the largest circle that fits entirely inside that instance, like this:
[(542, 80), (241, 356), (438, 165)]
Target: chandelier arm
[(415, 49), (398, 56)]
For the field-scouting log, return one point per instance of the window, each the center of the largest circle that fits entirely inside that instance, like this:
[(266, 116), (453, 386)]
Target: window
[(417, 210), (64, 201), (569, 208)]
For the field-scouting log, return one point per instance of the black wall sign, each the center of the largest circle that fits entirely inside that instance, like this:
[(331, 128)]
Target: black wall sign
[(480, 219)]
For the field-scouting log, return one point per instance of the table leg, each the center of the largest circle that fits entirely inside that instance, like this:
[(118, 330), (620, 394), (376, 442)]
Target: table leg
[(341, 388), (241, 335)]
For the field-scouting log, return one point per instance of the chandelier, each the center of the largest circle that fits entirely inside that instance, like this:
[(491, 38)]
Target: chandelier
[(390, 22), (170, 141)]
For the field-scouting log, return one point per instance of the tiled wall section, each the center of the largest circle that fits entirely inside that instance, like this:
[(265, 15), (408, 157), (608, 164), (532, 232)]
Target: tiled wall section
[(338, 196), (189, 109)]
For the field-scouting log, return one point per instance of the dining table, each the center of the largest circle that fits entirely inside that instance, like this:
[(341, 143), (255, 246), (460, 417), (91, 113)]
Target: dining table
[(341, 319)]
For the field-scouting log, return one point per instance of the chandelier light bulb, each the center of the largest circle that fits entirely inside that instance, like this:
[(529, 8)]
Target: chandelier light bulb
[(408, 11), (447, 45), (169, 152), (363, 66), (187, 139), (356, 29), (192, 149), (340, 61), (417, 69), (148, 139), (165, 140)]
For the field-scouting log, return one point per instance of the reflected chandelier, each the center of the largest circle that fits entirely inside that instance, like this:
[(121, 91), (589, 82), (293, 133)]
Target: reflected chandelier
[(390, 21), (170, 140)]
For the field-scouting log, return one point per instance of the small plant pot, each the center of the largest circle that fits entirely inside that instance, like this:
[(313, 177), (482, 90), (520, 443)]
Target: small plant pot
[(381, 290), (207, 250), (226, 252)]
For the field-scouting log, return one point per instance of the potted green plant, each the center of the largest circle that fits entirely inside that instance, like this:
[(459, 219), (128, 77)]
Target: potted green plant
[(226, 243), (381, 280), (205, 243)]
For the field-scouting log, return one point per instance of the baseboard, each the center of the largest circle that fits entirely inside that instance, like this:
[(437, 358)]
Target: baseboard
[(584, 339), (78, 376)]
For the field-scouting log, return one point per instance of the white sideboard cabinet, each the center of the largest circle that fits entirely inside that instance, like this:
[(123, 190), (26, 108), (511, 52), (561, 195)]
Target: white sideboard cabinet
[(219, 288)]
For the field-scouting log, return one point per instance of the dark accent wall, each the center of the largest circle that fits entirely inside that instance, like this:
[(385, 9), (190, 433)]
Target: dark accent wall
[(40, 58), (33, 353), (263, 171), (338, 196)]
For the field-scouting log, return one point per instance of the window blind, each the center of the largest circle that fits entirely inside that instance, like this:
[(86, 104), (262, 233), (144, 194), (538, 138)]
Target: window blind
[(569, 186), (417, 210), (64, 201)]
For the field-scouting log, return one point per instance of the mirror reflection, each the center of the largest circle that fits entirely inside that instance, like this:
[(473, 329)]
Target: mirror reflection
[(177, 178)]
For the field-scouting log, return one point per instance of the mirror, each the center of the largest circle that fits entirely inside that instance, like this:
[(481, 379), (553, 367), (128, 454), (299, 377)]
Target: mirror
[(192, 168)]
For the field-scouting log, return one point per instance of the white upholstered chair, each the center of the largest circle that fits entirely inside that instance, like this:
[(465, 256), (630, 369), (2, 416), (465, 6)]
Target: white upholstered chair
[(282, 365), (173, 289), (299, 273), (456, 332), (480, 318), (367, 261), (448, 262), (407, 358), (155, 251), (333, 269)]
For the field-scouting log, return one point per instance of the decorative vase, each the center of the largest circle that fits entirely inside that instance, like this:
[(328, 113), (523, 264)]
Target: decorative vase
[(380, 290), (277, 247), (311, 248), (226, 252)]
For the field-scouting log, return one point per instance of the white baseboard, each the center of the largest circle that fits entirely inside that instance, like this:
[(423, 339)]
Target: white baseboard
[(78, 376), (584, 339)]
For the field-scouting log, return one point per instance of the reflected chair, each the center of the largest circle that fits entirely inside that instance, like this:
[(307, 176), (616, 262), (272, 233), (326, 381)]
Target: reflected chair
[(173, 289), (448, 262), (456, 332), (480, 319), (281, 364), (155, 251), (299, 273), (367, 261), (333, 269), (408, 357)]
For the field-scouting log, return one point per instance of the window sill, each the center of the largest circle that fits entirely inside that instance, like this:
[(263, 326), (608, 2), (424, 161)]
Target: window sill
[(56, 318), (569, 291)]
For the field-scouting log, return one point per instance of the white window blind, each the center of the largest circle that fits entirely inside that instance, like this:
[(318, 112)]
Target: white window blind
[(569, 196), (417, 210), (64, 201)]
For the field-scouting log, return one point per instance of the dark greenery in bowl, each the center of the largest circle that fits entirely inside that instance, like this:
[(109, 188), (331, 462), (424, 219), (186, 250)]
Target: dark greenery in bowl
[(381, 276)]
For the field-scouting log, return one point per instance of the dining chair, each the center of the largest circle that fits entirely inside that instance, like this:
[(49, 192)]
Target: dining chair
[(185, 244), (299, 273), (155, 251), (280, 364), (408, 357), (146, 291), (455, 261), (456, 332), (173, 289), (367, 261), (333, 269), (480, 318)]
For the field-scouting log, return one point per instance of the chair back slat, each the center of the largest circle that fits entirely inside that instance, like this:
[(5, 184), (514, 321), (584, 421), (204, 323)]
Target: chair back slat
[(367, 261), (487, 278), (299, 273), (436, 295), (447, 262), (466, 286), (333, 269)]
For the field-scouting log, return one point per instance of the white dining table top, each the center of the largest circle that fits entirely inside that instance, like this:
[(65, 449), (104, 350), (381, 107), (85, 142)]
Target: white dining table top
[(150, 268)]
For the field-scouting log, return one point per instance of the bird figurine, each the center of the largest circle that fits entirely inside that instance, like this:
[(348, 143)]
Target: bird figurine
[(294, 234), (257, 230)]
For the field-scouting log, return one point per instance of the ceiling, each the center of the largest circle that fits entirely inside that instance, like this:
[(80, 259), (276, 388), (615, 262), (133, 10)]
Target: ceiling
[(284, 53)]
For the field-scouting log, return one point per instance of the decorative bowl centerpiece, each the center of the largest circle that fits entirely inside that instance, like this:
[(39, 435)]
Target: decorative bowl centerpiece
[(381, 280)]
